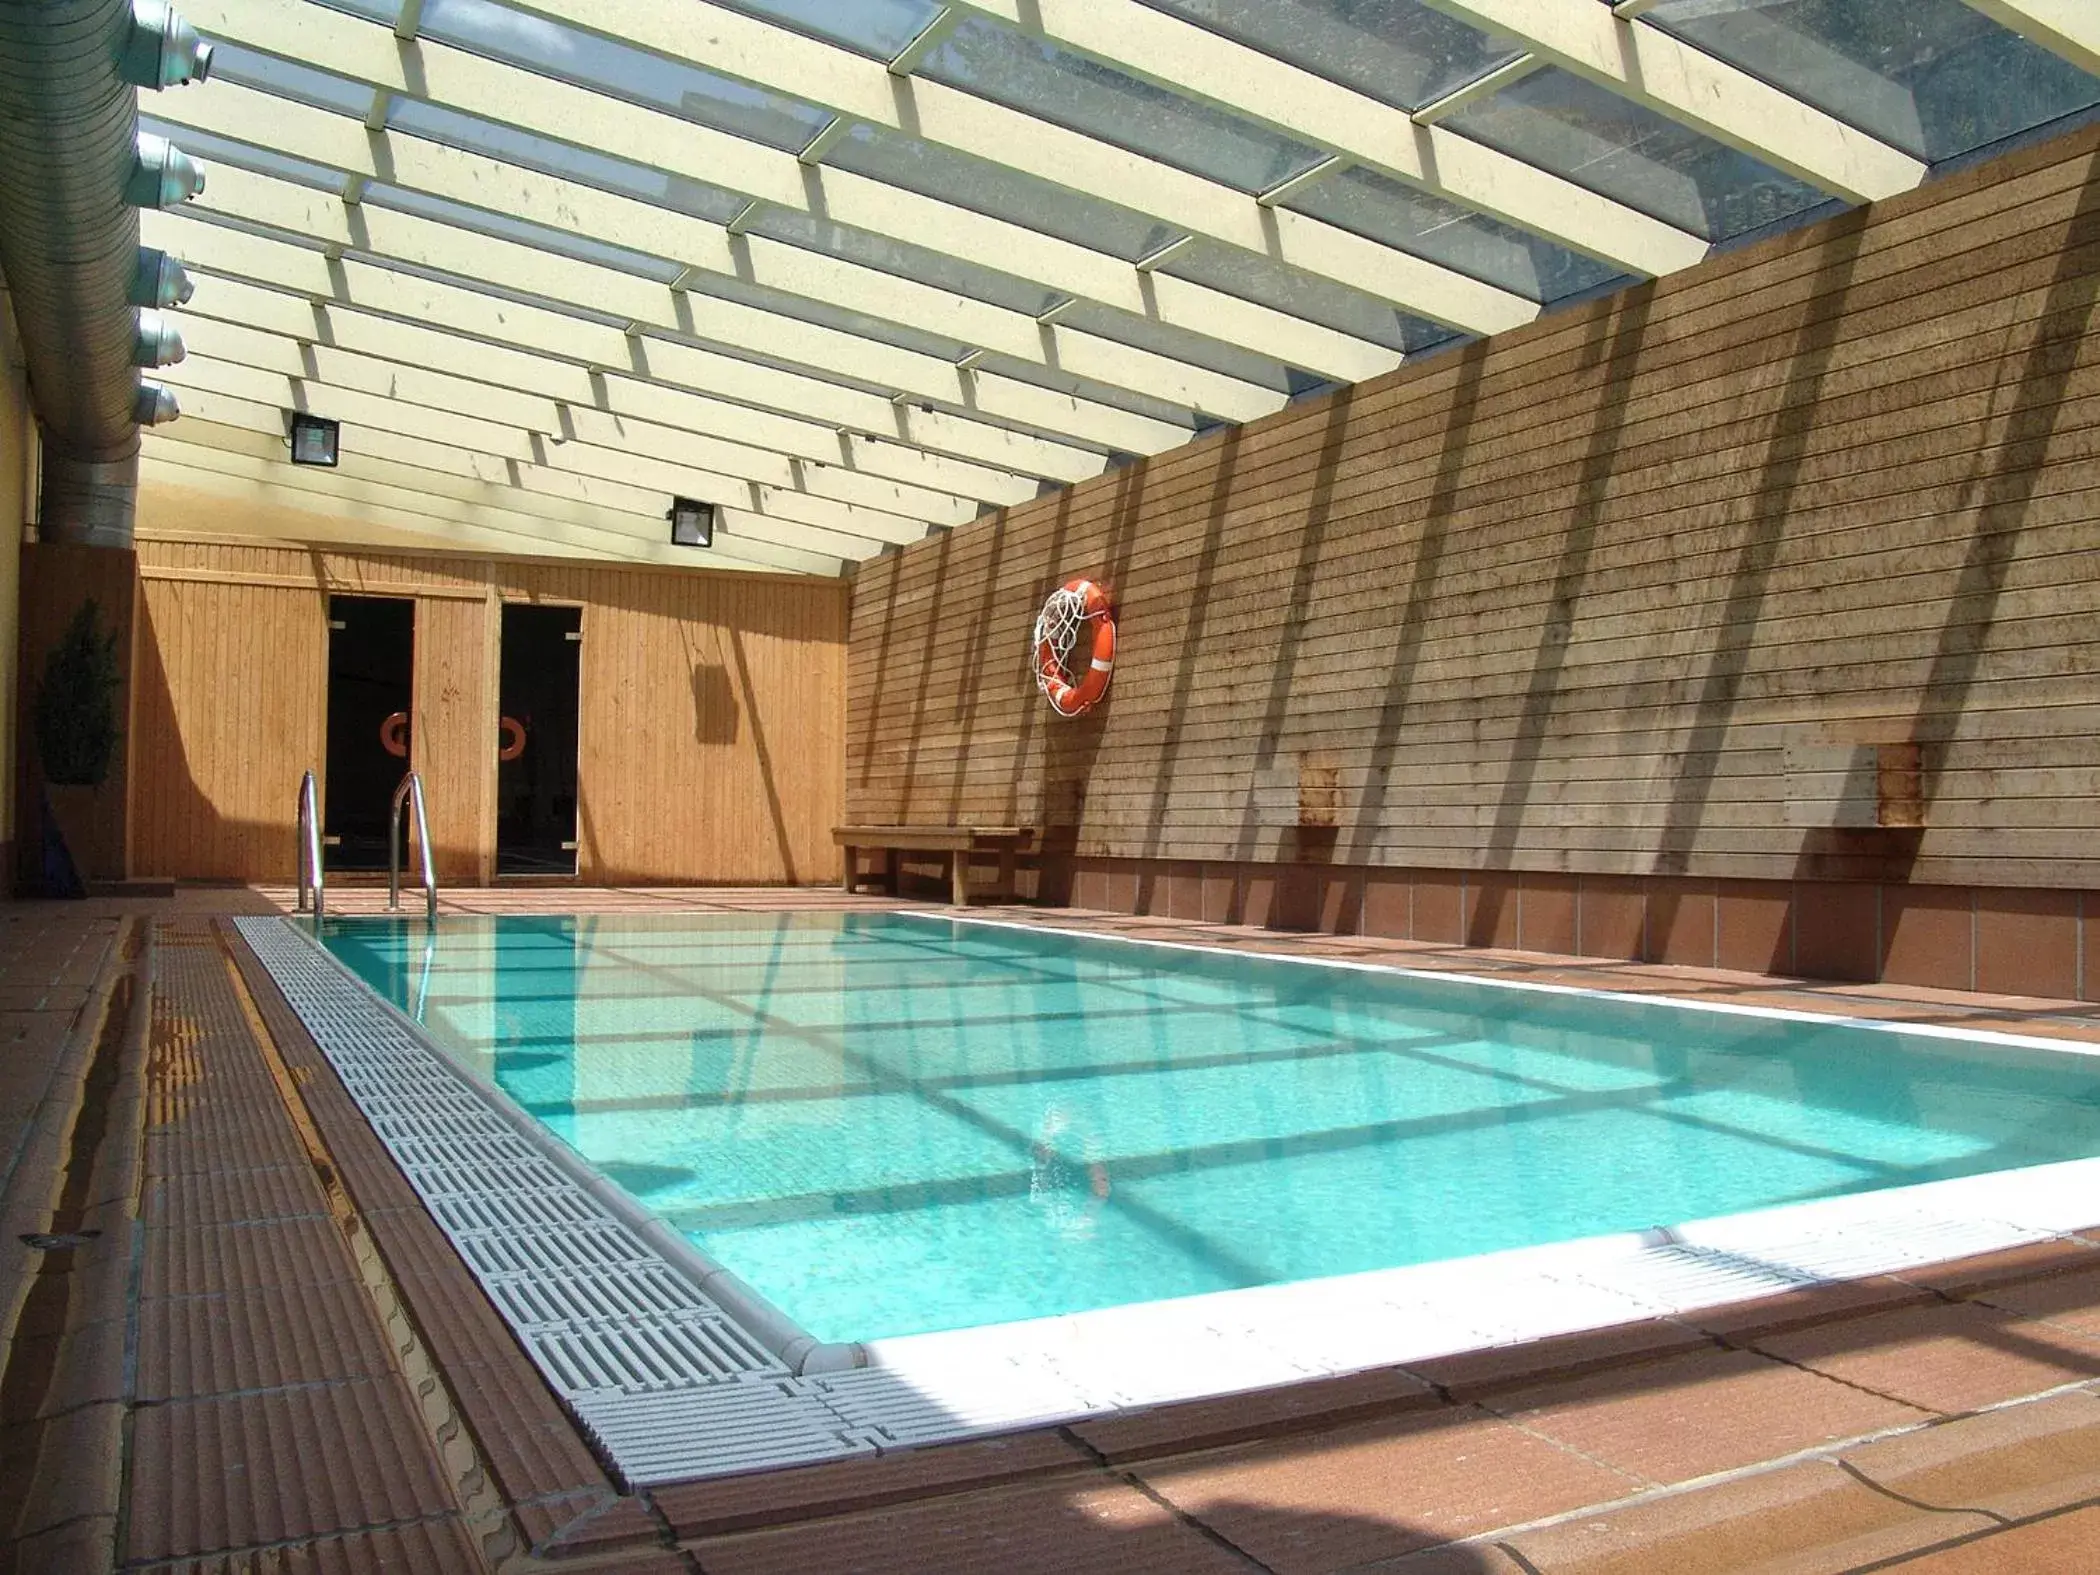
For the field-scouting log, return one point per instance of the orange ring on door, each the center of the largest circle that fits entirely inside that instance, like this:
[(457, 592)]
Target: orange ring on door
[(1085, 602), (513, 732), (393, 735)]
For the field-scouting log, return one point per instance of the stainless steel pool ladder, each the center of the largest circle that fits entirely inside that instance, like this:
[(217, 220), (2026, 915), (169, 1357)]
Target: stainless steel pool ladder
[(411, 792), (310, 873)]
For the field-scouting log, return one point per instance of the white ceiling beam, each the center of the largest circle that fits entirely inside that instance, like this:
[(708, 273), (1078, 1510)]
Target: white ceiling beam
[(767, 56), (560, 417), (508, 95), (390, 235), (390, 510), (444, 421), (462, 309), (2070, 28), (1640, 61), (1192, 60), (448, 475), (852, 468), (318, 136)]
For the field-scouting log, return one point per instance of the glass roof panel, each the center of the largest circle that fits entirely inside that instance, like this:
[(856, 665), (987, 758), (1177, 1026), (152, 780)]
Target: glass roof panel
[(555, 49), (816, 234), (476, 135), (387, 11), (1937, 78), (1181, 345), (290, 79), (1002, 193), (224, 150), (1085, 388), (876, 28), (1256, 278), (1034, 75), (1612, 145), (766, 299), (1399, 51), (561, 243), (1443, 232)]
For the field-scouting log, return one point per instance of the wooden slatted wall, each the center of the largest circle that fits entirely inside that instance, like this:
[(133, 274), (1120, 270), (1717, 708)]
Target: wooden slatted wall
[(712, 728), (1605, 594)]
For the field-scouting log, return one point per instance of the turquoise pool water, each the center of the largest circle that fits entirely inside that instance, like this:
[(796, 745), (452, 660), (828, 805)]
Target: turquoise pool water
[(890, 1123)]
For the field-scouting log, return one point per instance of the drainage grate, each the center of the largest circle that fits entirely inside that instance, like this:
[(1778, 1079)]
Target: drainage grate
[(669, 1386)]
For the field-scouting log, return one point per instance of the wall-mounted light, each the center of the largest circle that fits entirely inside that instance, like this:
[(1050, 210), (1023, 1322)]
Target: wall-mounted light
[(314, 439), (161, 174), (161, 280), (155, 405), (163, 50), (692, 523), (157, 342)]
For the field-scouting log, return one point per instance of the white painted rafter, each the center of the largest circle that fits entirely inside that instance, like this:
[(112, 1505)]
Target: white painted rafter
[(336, 142), (509, 95), (1641, 62), (1161, 48), (2070, 28)]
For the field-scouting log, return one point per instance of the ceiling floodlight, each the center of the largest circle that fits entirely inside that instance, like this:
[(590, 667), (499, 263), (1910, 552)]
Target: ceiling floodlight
[(155, 406), (314, 439), (162, 174), (158, 342), (163, 50), (161, 280), (692, 523)]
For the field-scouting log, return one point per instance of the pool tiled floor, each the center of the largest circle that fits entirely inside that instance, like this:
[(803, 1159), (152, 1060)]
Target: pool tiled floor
[(319, 1385)]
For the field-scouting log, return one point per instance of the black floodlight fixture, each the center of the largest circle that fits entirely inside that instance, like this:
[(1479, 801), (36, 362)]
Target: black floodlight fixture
[(314, 439), (161, 280), (692, 523), (161, 174), (162, 49)]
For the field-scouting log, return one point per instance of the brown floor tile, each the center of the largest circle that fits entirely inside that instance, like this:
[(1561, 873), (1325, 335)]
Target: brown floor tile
[(1807, 1519), (214, 1474), (1983, 1274), (2056, 1546), (2018, 1461), (1053, 1529), (1469, 1375), (215, 1260), (2071, 1300), (1802, 1309), (204, 1345), (1947, 1357), (569, 1525), (526, 1440), (233, 1197), (1208, 1424), (1699, 1413), (429, 1547), (740, 1503), (1377, 1490)]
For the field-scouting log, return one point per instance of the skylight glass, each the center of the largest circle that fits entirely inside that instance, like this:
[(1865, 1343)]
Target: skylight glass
[(1612, 145), (1181, 345), (555, 49), (290, 79), (1256, 278), (561, 243), (475, 135), (878, 29), (1937, 78), (1084, 388), (878, 329), (224, 150), (1034, 75), (1002, 193), (1399, 51), (1443, 232), (902, 258)]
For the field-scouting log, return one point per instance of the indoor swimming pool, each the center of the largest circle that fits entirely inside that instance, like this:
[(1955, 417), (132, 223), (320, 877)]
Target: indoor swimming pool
[(890, 1124)]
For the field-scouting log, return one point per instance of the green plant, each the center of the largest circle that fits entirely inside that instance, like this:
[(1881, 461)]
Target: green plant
[(76, 702)]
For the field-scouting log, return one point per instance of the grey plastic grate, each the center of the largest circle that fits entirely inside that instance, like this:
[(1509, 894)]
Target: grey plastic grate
[(667, 1383)]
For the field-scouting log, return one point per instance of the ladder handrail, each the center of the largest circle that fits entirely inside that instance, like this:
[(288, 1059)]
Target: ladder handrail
[(410, 790), (309, 818)]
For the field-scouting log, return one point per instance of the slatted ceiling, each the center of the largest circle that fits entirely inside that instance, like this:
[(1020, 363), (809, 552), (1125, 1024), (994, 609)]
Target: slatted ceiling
[(1767, 505)]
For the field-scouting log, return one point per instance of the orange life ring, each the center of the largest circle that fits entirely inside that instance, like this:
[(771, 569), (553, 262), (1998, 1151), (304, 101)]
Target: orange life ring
[(393, 735), (513, 734), (1075, 603)]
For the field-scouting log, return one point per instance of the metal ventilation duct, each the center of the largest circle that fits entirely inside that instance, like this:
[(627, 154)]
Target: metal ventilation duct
[(69, 246)]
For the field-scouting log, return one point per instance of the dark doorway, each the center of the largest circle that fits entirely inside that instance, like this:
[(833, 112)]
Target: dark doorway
[(371, 668), (536, 740)]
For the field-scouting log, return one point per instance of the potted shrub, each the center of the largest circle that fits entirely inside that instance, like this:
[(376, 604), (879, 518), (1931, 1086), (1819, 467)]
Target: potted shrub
[(76, 741)]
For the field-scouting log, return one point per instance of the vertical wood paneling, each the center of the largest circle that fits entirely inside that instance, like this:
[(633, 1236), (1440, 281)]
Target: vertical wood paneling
[(1571, 599), (712, 742)]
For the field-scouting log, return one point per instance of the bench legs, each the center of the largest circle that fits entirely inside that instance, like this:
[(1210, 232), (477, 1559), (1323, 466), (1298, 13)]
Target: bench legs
[(959, 877), (852, 868)]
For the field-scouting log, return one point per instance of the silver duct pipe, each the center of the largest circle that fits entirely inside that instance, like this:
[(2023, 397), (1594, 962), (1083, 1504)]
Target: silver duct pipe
[(70, 171)]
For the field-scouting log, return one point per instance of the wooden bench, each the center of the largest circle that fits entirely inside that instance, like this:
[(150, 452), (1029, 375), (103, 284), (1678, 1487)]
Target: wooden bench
[(960, 843)]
